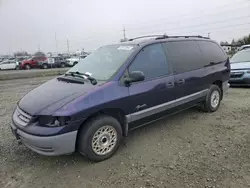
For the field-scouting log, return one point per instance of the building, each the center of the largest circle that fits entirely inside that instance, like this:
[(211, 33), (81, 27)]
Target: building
[(229, 47)]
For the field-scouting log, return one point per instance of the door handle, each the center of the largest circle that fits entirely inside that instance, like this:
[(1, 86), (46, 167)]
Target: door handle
[(170, 84), (181, 81)]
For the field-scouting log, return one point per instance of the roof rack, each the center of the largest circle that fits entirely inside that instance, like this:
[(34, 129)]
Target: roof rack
[(166, 36), (147, 36), (188, 36)]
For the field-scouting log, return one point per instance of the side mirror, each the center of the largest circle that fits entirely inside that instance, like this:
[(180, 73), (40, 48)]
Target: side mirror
[(134, 76)]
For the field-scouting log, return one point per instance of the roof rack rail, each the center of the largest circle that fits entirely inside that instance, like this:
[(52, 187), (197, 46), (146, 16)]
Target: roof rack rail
[(147, 36), (164, 36), (188, 36)]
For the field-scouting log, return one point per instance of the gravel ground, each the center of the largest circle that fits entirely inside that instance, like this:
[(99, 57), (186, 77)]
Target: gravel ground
[(190, 149)]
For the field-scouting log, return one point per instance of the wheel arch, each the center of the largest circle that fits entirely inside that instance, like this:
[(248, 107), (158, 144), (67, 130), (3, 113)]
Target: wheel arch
[(116, 113), (219, 84)]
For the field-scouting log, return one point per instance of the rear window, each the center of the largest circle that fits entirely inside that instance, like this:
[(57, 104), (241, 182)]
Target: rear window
[(212, 52)]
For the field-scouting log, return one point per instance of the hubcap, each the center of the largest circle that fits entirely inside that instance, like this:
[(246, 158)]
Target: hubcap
[(215, 99), (104, 140)]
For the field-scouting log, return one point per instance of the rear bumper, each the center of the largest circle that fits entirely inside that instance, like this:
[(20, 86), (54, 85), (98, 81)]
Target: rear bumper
[(49, 146), (225, 86)]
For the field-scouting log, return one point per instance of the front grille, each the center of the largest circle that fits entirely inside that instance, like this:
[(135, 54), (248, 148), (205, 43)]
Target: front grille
[(236, 74), (22, 117)]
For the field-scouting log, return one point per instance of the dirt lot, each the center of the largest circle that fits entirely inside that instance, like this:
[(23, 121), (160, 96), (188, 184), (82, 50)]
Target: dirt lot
[(191, 149)]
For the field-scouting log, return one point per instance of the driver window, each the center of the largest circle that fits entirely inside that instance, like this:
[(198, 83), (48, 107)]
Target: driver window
[(151, 60)]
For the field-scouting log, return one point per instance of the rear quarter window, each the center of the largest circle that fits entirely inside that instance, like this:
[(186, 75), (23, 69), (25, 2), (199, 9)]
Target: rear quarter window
[(212, 52)]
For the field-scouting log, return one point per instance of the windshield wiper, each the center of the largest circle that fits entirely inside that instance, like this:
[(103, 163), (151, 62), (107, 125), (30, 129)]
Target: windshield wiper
[(81, 75)]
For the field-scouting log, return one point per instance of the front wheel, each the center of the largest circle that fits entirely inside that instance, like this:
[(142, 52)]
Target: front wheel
[(213, 99), (99, 139), (45, 66), (27, 66)]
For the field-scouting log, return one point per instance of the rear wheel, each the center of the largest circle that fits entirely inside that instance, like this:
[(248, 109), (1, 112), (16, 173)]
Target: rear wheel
[(27, 66), (213, 99), (99, 139), (62, 65)]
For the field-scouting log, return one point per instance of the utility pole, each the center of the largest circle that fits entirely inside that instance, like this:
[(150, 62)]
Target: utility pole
[(124, 33), (39, 48), (68, 45), (10, 51), (56, 42)]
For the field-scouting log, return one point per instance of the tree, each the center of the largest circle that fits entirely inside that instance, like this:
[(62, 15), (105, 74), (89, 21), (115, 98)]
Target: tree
[(39, 54), (224, 43), (245, 40)]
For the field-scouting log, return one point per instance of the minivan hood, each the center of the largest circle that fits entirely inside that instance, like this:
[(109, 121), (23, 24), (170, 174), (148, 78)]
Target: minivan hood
[(243, 65), (52, 95)]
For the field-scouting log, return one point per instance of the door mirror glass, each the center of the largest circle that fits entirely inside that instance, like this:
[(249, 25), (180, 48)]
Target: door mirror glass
[(135, 76)]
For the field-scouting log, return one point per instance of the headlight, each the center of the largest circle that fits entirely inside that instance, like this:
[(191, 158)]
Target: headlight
[(52, 121)]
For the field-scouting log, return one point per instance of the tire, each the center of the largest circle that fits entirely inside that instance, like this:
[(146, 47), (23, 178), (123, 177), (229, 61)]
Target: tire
[(94, 130), (75, 63), (17, 68), (62, 65), (27, 67), (44, 66), (213, 99)]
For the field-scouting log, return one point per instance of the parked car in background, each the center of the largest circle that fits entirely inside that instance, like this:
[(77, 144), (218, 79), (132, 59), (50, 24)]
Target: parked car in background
[(32, 62), (240, 68), (118, 88), (53, 62), (9, 64), (244, 47), (74, 60)]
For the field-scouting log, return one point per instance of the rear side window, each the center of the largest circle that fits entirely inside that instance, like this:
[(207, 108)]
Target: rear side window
[(151, 60), (212, 52), (184, 56)]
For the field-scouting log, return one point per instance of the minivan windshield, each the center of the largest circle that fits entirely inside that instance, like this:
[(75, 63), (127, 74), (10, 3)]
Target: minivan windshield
[(104, 62), (241, 56)]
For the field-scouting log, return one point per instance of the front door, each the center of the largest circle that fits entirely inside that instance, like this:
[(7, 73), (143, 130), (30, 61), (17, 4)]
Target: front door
[(148, 97)]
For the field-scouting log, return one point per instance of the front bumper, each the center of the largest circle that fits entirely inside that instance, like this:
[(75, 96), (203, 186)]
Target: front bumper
[(243, 79), (49, 146), (241, 82)]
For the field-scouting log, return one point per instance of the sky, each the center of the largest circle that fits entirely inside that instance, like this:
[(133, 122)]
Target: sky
[(30, 25)]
